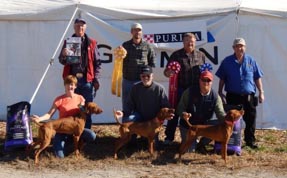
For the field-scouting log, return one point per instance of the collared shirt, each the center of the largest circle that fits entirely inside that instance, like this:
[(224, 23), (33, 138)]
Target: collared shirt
[(189, 72), (239, 78), (137, 55)]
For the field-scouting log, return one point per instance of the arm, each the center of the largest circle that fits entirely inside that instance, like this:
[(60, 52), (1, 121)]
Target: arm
[(259, 85), (46, 116), (151, 57), (63, 54), (97, 68), (219, 110), (183, 103), (220, 91)]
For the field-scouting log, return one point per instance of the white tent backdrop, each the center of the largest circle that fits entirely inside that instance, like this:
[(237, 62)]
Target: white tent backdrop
[(30, 31)]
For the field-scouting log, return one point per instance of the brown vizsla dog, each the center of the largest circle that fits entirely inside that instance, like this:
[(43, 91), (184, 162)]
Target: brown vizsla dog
[(147, 129), (73, 125), (220, 133)]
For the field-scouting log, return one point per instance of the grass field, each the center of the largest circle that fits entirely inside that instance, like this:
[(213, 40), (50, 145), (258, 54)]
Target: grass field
[(96, 160)]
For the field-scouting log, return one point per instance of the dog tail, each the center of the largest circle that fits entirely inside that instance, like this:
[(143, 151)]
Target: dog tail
[(115, 116)]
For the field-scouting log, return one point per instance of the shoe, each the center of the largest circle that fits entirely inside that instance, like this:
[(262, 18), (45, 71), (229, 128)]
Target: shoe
[(201, 150), (252, 145)]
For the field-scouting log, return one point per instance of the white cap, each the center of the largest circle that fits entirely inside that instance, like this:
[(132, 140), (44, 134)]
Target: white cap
[(136, 25), (239, 41)]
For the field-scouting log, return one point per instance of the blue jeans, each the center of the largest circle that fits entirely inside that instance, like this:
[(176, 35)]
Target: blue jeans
[(60, 140), (126, 88), (86, 90)]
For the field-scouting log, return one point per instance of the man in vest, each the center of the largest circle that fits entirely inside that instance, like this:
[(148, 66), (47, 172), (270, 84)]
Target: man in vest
[(87, 69), (202, 102)]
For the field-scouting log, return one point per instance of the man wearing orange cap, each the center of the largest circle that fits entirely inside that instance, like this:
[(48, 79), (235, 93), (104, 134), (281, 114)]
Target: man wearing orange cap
[(202, 102)]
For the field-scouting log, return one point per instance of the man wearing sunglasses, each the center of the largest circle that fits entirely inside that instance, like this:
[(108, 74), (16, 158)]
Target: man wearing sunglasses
[(202, 102)]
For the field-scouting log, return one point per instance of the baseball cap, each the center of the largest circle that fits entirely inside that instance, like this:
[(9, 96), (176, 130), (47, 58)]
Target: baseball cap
[(80, 20), (239, 41), (206, 74), (136, 25), (146, 70)]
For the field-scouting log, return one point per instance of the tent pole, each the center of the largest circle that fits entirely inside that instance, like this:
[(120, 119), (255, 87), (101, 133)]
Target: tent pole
[(52, 59)]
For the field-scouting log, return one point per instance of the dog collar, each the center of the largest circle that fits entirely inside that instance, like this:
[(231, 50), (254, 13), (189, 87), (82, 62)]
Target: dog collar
[(229, 122), (159, 120)]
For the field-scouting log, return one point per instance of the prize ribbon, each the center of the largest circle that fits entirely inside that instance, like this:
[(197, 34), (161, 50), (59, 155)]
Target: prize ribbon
[(119, 53), (205, 67), (172, 95)]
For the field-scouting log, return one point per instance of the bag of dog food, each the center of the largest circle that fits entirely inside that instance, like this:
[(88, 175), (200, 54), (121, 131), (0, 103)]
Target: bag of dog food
[(234, 144), (18, 129)]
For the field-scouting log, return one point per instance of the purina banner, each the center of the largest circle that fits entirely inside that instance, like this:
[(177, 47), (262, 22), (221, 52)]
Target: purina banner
[(169, 35)]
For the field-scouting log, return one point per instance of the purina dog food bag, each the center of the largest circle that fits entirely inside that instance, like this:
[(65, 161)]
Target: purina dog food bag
[(234, 144), (18, 129)]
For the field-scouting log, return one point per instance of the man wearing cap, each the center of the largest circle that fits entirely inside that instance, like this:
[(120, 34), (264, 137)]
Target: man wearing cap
[(139, 52), (146, 98), (87, 70), (189, 59), (240, 75), (202, 102)]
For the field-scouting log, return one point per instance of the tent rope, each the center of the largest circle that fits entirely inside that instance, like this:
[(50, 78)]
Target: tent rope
[(52, 59)]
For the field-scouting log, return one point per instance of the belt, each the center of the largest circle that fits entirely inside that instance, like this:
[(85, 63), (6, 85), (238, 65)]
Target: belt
[(79, 75)]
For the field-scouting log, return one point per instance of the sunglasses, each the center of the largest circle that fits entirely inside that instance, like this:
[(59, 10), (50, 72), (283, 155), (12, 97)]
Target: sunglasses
[(144, 76), (205, 80)]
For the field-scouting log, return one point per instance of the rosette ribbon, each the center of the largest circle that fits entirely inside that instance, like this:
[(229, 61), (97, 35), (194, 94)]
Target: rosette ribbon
[(205, 67), (117, 75), (173, 83)]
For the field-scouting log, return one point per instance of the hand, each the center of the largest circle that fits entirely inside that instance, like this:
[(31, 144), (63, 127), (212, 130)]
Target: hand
[(96, 85), (169, 72), (118, 114), (35, 118), (64, 52), (186, 116), (261, 97)]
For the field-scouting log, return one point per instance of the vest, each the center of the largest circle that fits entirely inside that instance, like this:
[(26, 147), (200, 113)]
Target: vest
[(201, 107)]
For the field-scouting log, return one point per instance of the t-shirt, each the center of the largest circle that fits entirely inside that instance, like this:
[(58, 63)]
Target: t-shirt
[(68, 106)]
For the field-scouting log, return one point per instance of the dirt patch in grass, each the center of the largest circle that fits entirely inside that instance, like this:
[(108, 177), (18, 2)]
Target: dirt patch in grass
[(96, 160)]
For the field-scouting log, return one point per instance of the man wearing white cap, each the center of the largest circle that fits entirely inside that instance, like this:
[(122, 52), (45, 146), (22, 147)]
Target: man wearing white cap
[(240, 74), (139, 53)]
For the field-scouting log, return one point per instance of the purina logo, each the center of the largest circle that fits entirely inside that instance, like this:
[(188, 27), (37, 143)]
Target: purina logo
[(169, 37)]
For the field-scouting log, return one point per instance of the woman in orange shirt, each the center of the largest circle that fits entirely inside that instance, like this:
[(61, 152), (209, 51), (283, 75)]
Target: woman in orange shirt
[(67, 105)]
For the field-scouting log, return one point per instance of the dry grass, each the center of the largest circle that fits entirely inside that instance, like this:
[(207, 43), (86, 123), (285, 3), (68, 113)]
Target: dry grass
[(271, 157)]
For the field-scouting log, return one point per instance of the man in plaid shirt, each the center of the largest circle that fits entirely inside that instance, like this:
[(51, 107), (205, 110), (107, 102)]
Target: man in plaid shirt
[(139, 53)]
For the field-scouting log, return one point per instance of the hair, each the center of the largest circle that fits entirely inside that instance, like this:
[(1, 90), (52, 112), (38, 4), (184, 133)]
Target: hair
[(70, 79), (191, 35)]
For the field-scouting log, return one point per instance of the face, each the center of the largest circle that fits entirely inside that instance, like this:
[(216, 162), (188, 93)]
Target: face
[(239, 49), (136, 33), (205, 85), (80, 29), (70, 88), (146, 79), (189, 43)]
